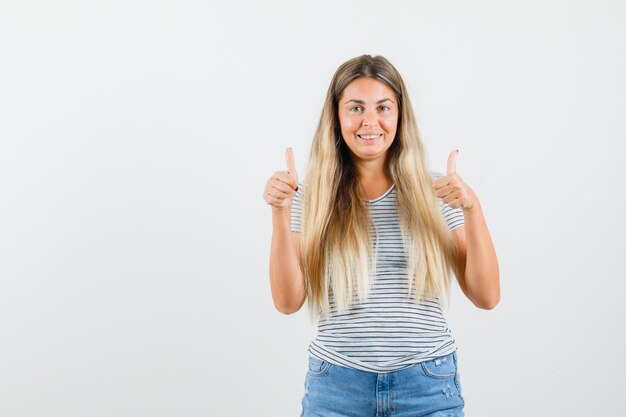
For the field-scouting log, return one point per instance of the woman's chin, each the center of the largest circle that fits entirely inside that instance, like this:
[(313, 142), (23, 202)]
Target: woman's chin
[(369, 154)]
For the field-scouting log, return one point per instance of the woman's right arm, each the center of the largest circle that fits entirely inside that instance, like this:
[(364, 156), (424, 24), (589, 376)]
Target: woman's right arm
[(286, 278)]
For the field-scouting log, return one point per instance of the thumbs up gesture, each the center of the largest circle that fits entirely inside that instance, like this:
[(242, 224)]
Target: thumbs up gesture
[(282, 186), (451, 188)]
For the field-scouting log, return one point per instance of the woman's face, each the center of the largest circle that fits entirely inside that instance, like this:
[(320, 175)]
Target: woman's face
[(368, 115)]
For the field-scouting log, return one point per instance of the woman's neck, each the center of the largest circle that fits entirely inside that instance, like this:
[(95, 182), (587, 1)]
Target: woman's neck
[(373, 179), (371, 171)]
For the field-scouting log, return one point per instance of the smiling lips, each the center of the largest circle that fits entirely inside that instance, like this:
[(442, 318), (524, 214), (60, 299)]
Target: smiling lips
[(370, 137)]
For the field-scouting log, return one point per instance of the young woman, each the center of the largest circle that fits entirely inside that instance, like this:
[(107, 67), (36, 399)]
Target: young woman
[(369, 241)]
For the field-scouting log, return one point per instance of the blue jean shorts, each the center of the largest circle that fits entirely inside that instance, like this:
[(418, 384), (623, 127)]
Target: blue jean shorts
[(426, 389)]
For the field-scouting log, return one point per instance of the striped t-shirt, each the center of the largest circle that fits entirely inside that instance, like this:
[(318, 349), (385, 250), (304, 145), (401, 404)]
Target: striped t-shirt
[(388, 331)]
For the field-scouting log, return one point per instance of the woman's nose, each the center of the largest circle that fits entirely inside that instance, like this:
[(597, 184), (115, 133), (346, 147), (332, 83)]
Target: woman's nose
[(370, 119)]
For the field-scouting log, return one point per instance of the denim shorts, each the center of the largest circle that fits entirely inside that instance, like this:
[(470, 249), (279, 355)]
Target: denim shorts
[(426, 389)]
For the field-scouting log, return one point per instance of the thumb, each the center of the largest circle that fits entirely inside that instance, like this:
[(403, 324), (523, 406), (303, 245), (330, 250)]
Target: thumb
[(291, 164), (452, 162)]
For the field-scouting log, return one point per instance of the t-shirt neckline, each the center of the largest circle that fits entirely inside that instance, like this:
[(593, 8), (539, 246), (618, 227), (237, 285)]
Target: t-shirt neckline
[(382, 196)]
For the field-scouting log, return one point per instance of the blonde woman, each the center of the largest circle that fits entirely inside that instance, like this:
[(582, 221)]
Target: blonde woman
[(369, 240)]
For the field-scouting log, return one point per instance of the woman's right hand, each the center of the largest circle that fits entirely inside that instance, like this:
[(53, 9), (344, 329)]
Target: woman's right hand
[(282, 186)]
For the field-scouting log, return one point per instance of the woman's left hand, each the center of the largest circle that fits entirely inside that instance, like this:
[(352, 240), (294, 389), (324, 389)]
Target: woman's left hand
[(451, 188)]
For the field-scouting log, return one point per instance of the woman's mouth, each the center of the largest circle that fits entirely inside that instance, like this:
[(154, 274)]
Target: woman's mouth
[(369, 137)]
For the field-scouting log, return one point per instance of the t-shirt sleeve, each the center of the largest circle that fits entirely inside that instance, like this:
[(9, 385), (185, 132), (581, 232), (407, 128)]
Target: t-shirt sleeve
[(297, 205), (453, 216)]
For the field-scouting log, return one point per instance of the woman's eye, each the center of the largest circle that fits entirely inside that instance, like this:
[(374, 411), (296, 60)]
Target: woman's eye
[(384, 108), (355, 107)]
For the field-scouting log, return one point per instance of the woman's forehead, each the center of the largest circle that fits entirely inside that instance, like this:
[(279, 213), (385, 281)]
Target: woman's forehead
[(367, 89)]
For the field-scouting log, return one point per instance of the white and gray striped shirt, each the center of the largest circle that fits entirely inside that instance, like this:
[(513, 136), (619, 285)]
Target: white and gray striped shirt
[(389, 330)]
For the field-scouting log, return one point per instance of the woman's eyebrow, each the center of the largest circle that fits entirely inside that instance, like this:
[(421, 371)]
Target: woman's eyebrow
[(362, 102)]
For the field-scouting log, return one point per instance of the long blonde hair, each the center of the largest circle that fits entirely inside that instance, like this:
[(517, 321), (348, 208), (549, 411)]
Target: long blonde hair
[(338, 256)]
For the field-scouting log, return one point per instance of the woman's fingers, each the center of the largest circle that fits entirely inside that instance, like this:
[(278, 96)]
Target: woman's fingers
[(446, 190), (286, 178), (277, 192), (276, 196), (282, 186), (283, 183), (451, 169), (451, 188), (291, 164)]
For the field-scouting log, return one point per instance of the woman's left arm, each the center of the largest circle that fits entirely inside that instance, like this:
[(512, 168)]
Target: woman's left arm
[(477, 272)]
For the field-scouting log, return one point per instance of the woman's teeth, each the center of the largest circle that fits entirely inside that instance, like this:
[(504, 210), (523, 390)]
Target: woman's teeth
[(369, 136)]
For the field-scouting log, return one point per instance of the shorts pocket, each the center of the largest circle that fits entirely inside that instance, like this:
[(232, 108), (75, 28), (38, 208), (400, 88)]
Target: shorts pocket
[(317, 367), (443, 367)]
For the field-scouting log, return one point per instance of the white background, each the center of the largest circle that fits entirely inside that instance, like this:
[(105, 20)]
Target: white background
[(135, 141)]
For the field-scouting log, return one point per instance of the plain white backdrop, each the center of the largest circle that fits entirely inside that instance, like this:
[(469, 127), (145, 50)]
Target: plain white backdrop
[(136, 138)]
